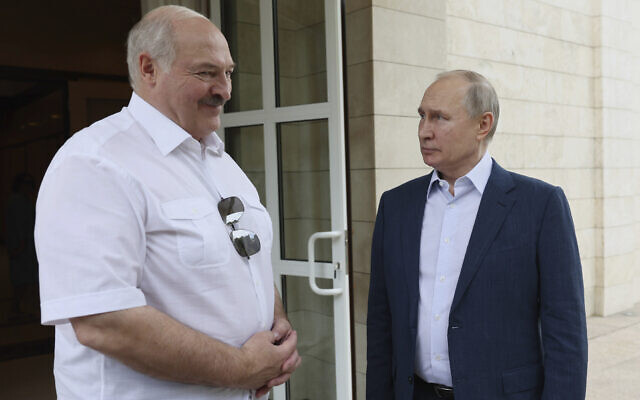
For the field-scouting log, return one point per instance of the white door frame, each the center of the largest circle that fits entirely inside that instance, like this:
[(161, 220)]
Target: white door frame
[(333, 110)]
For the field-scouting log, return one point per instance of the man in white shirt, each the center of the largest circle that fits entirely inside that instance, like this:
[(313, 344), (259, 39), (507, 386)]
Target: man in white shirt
[(153, 245), (476, 284)]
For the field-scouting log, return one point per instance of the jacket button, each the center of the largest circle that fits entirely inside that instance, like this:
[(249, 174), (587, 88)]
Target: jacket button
[(411, 380)]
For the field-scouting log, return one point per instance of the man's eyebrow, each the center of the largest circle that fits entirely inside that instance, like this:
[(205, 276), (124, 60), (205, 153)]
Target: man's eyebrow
[(208, 65), (428, 110)]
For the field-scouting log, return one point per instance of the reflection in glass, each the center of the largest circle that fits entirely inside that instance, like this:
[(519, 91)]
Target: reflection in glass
[(245, 144), (303, 154), (241, 27), (312, 317), (301, 68)]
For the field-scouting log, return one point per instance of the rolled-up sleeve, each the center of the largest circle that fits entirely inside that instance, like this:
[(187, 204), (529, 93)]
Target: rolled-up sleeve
[(90, 239)]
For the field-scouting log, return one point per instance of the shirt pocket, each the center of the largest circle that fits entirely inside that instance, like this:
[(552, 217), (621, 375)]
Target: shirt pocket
[(201, 236)]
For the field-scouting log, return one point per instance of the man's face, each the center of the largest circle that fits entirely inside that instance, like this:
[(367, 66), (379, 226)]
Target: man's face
[(449, 140), (194, 90)]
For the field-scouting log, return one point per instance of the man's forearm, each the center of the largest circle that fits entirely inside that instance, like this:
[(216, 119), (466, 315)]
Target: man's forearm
[(155, 344)]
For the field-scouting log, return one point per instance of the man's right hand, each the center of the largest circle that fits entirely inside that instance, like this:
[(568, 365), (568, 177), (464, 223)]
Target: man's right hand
[(264, 359)]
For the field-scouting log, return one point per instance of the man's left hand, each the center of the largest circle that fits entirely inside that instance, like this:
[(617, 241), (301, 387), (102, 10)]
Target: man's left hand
[(282, 329)]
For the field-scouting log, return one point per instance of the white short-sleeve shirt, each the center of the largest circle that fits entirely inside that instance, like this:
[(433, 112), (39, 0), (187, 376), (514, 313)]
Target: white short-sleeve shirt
[(127, 216)]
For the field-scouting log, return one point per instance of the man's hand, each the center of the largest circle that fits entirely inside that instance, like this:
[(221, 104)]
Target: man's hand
[(283, 333), (281, 329), (266, 361)]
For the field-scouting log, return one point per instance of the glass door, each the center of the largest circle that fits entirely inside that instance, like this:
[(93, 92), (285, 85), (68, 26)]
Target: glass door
[(284, 127)]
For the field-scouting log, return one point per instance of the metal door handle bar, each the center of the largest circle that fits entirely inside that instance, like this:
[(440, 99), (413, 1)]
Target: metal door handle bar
[(312, 260)]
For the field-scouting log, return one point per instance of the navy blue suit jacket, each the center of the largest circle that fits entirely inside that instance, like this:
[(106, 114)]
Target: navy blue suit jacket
[(517, 326)]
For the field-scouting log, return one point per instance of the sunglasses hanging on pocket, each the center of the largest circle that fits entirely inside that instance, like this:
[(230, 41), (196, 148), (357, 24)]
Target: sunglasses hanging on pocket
[(245, 242)]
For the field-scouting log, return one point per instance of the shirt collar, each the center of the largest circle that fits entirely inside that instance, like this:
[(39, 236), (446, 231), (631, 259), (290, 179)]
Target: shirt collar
[(166, 134), (479, 175)]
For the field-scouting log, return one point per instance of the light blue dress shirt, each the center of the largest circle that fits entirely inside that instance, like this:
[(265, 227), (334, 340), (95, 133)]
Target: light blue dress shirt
[(446, 229)]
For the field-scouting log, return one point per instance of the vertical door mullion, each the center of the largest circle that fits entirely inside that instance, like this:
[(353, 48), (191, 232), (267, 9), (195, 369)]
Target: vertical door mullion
[(271, 145), (269, 107), (215, 15), (267, 53), (337, 177), (336, 108)]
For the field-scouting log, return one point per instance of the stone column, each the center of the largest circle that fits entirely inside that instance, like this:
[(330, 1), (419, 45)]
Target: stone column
[(617, 110)]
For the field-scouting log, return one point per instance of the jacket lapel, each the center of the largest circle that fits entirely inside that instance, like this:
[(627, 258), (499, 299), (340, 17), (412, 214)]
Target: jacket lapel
[(413, 216), (494, 206)]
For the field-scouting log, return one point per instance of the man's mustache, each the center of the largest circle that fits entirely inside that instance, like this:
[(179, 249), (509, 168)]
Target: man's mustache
[(216, 100)]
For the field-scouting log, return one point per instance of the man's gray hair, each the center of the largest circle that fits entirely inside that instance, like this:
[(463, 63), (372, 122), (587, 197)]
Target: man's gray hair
[(481, 97), (153, 34)]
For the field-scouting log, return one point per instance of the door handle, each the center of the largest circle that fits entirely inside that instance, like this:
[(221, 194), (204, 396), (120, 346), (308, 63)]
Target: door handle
[(312, 259)]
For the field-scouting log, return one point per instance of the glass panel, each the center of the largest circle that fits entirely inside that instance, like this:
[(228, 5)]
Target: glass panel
[(245, 145), (241, 27), (312, 317), (301, 68), (303, 155)]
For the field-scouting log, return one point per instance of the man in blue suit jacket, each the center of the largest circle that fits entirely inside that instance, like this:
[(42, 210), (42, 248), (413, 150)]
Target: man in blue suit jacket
[(476, 284)]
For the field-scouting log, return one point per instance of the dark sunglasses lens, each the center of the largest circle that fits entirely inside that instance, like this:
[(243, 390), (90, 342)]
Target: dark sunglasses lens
[(230, 209), (245, 242)]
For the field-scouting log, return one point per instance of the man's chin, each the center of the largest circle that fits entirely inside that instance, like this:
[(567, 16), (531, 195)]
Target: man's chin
[(212, 124), (429, 161)]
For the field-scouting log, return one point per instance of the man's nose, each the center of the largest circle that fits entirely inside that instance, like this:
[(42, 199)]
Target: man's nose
[(222, 88), (425, 130)]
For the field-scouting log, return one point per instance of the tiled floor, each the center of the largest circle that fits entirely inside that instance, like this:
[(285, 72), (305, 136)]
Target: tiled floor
[(614, 356), (614, 364)]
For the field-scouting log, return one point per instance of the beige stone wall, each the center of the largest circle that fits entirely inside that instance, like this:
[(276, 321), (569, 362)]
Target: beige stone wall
[(539, 57), (569, 116), (634, 125), (617, 111), (566, 72)]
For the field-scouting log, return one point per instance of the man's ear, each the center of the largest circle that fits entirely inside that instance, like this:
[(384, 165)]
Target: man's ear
[(148, 69), (485, 124)]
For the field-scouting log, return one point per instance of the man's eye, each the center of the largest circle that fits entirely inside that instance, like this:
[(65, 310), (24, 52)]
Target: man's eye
[(421, 116), (228, 74), (205, 74), (438, 117)]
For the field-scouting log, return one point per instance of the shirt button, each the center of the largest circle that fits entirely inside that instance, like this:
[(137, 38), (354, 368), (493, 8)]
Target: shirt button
[(441, 183), (437, 317), (442, 278), (452, 205), (446, 240), (411, 379), (438, 357)]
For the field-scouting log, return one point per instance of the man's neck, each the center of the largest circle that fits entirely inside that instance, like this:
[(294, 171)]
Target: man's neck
[(452, 178)]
